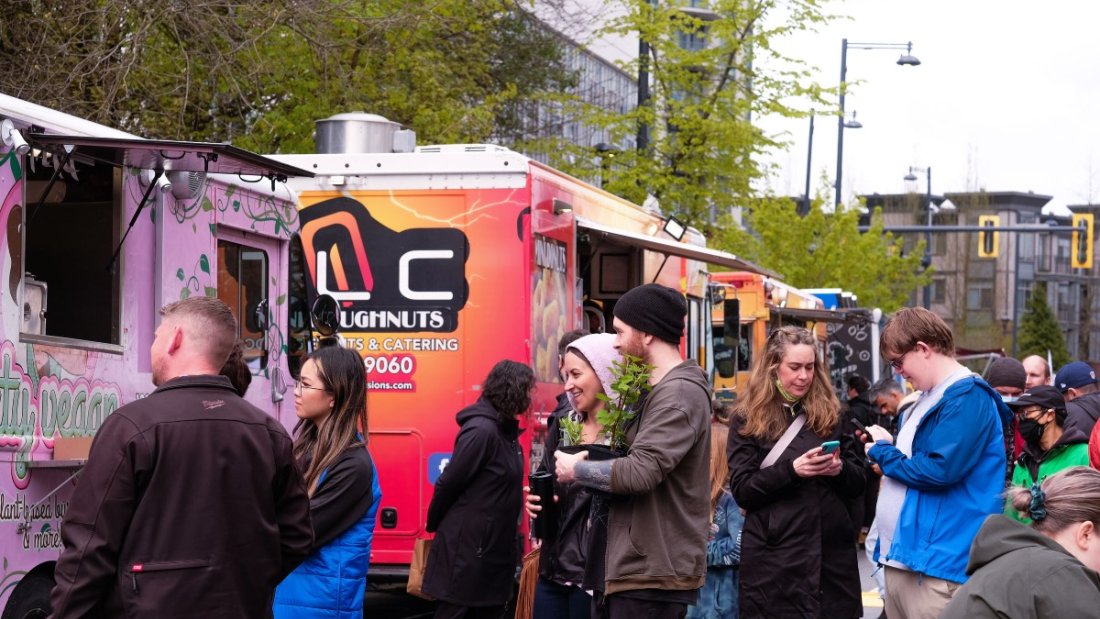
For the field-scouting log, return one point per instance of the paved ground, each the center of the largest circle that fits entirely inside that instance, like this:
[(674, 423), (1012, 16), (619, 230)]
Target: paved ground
[(391, 602), (872, 604)]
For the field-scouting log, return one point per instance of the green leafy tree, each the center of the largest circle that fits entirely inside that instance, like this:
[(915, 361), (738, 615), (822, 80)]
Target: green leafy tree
[(709, 78), (258, 73), (1039, 331), (828, 250)]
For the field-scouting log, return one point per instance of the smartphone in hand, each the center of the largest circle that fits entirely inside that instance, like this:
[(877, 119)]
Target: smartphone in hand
[(830, 446), (859, 424)]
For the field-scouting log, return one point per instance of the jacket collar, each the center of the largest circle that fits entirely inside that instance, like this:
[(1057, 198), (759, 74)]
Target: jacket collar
[(202, 380)]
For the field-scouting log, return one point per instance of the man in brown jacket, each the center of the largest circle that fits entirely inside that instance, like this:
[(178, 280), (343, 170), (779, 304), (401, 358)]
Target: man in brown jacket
[(190, 504), (660, 516)]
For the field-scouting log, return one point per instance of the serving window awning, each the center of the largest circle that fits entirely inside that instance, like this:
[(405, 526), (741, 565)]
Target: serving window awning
[(172, 155), (673, 248), (810, 315)]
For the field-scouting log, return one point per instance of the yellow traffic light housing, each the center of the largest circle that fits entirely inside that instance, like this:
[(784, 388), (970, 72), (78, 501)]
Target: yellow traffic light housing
[(989, 240), (1082, 241)]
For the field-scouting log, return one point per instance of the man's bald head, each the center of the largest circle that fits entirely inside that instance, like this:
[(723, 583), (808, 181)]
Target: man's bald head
[(1038, 372)]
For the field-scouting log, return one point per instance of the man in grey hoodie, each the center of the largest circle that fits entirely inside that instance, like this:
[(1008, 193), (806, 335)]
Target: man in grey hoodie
[(660, 512)]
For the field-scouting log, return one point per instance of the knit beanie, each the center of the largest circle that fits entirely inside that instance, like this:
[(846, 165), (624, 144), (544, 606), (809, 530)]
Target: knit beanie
[(1006, 372), (654, 309), (599, 350)]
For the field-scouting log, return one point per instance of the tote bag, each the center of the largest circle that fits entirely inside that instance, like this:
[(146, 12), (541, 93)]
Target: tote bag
[(416, 569)]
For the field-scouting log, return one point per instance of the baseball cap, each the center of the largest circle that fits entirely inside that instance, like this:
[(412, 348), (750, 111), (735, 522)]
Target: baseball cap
[(1074, 376), (1043, 396)]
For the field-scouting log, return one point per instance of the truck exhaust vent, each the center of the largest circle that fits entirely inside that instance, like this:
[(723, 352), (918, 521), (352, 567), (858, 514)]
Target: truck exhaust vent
[(359, 132)]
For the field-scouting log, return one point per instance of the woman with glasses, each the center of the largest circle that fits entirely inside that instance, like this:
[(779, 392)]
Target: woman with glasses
[(475, 510), (330, 445), (794, 467), (1049, 447)]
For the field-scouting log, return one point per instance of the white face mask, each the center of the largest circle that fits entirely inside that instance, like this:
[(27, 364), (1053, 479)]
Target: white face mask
[(1009, 398)]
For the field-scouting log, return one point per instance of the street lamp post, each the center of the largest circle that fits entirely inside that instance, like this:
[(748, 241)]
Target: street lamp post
[(905, 60), (927, 260)]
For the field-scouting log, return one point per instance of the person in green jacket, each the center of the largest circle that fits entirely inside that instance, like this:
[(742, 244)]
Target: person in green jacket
[(1048, 446), (1045, 570)]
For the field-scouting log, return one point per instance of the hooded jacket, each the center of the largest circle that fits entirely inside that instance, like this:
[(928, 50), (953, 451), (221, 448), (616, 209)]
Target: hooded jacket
[(1035, 466), (475, 512), (190, 505), (1017, 572), (1082, 412), (954, 479), (660, 514)]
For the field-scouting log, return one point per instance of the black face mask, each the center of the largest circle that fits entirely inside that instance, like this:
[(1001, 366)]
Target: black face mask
[(1031, 430)]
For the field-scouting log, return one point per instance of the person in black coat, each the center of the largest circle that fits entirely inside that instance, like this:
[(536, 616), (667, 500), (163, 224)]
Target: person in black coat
[(798, 551), (475, 509)]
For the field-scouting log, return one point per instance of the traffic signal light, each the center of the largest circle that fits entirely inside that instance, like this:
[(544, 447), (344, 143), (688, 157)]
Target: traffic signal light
[(988, 240), (1082, 241)]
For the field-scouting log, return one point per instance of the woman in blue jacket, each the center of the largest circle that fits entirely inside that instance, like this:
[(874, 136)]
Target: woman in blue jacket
[(330, 399)]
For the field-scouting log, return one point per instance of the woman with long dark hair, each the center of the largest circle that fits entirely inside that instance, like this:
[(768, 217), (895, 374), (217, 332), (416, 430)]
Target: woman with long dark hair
[(476, 506), (330, 445), (798, 550)]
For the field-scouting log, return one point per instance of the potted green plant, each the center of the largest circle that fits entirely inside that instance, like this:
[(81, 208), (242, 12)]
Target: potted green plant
[(630, 380)]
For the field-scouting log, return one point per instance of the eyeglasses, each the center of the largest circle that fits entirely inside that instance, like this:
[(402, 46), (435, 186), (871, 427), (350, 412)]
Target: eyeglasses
[(299, 386), (1027, 413), (898, 361)]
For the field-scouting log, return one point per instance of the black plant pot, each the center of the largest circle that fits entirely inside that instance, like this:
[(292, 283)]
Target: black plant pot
[(596, 453)]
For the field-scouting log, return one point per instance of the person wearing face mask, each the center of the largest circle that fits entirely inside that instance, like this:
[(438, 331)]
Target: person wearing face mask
[(1049, 447), (798, 545)]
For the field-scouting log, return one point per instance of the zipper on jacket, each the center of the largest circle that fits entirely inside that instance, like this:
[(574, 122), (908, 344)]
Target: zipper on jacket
[(164, 566)]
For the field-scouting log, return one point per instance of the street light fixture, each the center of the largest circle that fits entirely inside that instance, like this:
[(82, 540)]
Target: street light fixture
[(606, 152), (906, 59), (853, 124), (927, 260)]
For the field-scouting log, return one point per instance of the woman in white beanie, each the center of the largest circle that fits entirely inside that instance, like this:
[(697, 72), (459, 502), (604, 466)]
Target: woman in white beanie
[(563, 565)]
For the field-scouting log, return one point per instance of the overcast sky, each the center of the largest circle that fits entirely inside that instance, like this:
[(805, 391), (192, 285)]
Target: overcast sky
[(1006, 98)]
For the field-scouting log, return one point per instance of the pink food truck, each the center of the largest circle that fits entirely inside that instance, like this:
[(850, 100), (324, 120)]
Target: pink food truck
[(100, 229)]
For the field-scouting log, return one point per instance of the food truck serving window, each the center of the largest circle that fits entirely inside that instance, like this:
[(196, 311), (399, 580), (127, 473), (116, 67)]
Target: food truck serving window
[(242, 285), (68, 237)]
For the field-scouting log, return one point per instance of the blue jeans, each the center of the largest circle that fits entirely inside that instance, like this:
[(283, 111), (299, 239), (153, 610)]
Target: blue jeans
[(554, 601)]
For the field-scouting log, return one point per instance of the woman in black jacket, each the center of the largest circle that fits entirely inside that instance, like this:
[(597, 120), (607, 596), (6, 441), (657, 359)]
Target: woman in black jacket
[(476, 506), (798, 551), (564, 571)]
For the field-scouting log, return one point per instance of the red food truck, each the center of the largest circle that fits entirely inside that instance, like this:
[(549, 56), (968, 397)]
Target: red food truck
[(447, 259)]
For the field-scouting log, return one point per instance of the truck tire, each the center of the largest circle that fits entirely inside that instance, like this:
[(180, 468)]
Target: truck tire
[(31, 597)]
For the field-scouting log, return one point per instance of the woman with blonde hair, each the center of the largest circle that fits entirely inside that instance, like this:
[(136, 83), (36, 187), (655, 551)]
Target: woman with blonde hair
[(794, 466), (1048, 569)]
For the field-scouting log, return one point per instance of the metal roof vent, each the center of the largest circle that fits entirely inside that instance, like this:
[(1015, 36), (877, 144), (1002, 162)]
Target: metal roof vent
[(359, 132)]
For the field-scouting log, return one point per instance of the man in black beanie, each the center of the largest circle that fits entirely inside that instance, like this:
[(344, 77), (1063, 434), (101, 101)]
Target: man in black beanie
[(658, 523)]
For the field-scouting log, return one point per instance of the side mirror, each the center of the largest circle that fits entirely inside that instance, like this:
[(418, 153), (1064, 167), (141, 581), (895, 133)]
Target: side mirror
[(731, 321), (326, 315), (724, 360), (259, 316)]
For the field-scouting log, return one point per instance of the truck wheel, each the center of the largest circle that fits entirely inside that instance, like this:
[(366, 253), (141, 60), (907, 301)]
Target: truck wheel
[(31, 597)]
